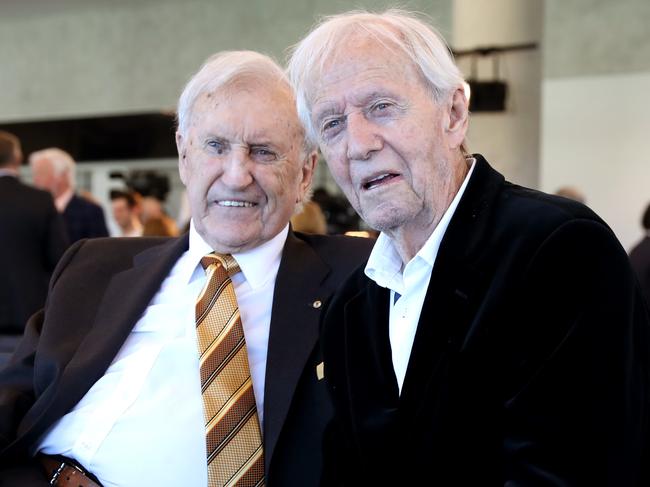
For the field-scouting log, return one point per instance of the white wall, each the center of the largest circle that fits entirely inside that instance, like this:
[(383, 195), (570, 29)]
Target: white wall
[(63, 58), (595, 137), (596, 107)]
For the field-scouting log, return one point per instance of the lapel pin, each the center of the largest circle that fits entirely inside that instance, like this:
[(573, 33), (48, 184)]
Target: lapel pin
[(320, 371), (317, 304)]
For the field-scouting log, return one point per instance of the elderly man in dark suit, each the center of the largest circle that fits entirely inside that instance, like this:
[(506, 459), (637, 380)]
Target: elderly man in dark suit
[(109, 377), (32, 239), (497, 335), (53, 169)]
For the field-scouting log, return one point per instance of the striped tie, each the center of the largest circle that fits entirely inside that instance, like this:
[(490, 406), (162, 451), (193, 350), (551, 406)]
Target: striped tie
[(233, 438)]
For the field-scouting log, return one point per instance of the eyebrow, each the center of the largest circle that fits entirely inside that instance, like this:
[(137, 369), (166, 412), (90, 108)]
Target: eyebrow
[(327, 112), (360, 101)]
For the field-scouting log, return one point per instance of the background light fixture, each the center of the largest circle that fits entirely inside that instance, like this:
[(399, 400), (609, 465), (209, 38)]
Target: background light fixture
[(488, 95)]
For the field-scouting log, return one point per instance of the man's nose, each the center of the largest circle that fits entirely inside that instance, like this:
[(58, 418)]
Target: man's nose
[(237, 170), (363, 138)]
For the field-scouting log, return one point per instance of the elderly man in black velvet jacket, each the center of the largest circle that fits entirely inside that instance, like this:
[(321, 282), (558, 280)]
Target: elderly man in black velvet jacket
[(497, 335)]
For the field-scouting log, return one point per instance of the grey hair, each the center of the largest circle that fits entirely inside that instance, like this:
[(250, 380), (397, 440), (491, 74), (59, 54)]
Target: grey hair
[(59, 160), (394, 28), (227, 68), (224, 69)]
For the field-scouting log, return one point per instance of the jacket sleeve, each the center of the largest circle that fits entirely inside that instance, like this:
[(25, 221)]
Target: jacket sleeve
[(17, 378), (576, 412), (16, 381)]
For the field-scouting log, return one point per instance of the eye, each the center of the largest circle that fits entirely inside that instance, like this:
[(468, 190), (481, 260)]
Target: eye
[(381, 106), (263, 154), (331, 124), (331, 127), (217, 146)]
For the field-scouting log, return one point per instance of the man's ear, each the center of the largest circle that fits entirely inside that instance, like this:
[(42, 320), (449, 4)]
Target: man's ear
[(458, 118), (182, 157), (307, 174)]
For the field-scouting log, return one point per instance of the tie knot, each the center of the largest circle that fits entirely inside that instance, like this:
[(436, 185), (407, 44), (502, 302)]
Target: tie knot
[(226, 261)]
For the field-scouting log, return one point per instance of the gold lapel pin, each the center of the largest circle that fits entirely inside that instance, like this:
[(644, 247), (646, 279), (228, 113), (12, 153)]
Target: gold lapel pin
[(320, 371)]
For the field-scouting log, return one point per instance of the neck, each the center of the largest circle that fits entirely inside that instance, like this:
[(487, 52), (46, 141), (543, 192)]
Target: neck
[(410, 237), (133, 226)]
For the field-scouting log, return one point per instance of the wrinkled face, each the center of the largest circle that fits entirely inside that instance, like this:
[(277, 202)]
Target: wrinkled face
[(121, 212), (243, 164), (387, 142)]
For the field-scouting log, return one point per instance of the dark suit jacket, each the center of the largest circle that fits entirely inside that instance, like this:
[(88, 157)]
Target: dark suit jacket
[(32, 239), (530, 361), (640, 259), (84, 219), (98, 292)]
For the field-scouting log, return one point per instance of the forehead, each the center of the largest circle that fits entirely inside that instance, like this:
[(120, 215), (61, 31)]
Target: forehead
[(363, 67), (250, 108)]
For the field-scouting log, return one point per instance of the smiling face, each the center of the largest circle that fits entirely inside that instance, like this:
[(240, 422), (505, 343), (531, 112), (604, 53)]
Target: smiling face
[(243, 164), (394, 151)]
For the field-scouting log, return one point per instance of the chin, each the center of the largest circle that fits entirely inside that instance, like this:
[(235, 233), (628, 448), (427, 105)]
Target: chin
[(386, 220)]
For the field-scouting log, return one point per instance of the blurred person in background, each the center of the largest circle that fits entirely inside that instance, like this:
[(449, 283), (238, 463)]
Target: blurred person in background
[(126, 212), (54, 170), (158, 227), (155, 219), (32, 239), (310, 219), (572, 193), (339, 215), (640, 256)]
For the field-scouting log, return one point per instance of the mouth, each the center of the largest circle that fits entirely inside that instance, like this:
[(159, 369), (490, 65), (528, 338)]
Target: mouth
[(235, 203), (378, 180)]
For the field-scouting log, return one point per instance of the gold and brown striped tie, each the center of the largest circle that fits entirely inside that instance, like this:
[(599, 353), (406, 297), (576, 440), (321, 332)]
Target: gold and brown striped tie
[(233, 438)]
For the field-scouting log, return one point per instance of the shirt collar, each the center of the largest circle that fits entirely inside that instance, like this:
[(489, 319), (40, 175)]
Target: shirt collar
[(258, 265), (385, 263), (9, 171)]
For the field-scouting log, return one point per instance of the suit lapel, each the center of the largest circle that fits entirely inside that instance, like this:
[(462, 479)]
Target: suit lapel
[(454, 289), (369, 366), (125, 299), (293, 333)]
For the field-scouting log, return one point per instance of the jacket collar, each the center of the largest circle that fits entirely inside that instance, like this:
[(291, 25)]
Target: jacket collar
[(294, 320)]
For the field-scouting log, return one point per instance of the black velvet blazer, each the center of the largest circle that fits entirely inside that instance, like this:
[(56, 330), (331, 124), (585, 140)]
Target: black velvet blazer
[(530, 361)]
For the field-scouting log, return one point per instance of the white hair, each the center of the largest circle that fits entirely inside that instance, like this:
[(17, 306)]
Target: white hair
[(224, 69), (396, 29), (60, 161)]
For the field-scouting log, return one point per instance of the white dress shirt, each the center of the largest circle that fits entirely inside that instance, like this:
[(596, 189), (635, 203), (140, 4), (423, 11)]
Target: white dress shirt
[(142, 423), (408, 284)]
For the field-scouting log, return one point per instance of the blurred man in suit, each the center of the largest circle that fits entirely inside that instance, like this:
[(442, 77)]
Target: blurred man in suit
[(109, 376), (497, 335), (32, 239), (54, 170)]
